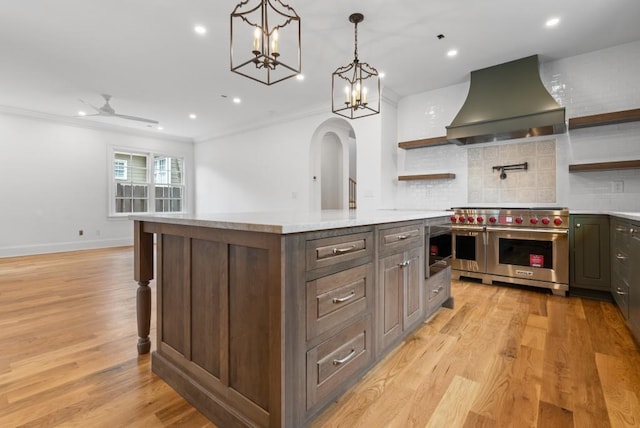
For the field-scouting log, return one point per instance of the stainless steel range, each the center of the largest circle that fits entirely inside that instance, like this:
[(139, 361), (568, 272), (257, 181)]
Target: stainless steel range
[(527, 246)]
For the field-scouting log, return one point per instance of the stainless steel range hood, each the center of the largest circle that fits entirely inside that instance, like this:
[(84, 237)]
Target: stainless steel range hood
[(507, 101)]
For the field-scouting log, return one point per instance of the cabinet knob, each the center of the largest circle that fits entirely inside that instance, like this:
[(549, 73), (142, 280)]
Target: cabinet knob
[(578, 225)]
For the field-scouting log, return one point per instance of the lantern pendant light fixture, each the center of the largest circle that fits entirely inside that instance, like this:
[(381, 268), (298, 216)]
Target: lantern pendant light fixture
[(355, 87), (265, 41)]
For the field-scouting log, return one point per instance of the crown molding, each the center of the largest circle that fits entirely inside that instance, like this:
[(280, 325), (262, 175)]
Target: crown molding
[(388, 96)]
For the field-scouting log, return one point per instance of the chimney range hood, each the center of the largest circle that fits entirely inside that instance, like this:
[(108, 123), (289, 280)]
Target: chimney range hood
[(504, 102)]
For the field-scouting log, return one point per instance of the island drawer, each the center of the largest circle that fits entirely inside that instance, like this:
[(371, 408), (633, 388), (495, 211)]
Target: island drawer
[(334, 361), (337, 249), (334, 299), (400, 238), (438, 288)]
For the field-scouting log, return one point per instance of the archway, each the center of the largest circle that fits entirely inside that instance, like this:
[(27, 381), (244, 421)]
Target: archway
[(333, 160)]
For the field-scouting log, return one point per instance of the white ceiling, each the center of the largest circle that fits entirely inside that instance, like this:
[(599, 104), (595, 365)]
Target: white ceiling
[(147, 56)]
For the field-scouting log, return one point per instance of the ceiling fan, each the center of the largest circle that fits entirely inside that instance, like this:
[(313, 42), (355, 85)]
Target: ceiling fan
[(108, 111)]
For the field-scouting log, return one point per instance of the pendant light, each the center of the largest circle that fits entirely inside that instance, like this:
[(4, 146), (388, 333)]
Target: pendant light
[(355, 87), (265, 41)]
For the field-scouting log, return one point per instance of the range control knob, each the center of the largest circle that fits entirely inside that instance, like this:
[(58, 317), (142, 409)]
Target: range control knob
[(545, 220), (557, 221), (519, 220), (480, 219), (470, 219), (492, 219), (461, 219), (453, 219), (533, 220)]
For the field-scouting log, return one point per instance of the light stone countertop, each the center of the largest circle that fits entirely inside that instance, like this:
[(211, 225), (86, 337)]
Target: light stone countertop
[(292, 222), (635, 216)]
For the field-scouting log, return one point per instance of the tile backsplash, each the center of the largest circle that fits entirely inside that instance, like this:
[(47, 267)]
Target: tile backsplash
[(595, 82), (535, 184)]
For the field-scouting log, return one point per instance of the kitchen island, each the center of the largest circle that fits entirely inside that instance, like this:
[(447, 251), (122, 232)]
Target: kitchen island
[(264, 318)]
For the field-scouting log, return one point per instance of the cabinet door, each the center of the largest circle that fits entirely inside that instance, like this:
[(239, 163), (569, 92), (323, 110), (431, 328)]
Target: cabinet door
[(390, 289), (412, 287), (621, 264), (590, 239), (634, 282)]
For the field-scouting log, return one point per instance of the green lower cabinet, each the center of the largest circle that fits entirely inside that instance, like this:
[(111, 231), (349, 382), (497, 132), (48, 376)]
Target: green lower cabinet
[(589, 252)]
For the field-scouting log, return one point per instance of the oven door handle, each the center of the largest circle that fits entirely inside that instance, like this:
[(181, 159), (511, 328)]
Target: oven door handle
[(509, 229), (468, 229)]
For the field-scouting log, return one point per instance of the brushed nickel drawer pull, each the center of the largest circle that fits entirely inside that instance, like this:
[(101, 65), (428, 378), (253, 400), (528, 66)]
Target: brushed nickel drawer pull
[(345, 359), (401, 237), (620, 257), (337, 251), (345, 298), (404, 263), (621, 229), (438, 290), (620, 293)]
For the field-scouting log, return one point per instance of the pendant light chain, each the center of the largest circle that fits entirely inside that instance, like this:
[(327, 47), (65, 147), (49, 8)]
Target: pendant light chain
[(355, 52)]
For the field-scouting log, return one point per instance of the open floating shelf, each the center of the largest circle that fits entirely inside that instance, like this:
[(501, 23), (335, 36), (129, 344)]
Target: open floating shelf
[(604, 119), (442, 176), (605, 166), (425, 142)]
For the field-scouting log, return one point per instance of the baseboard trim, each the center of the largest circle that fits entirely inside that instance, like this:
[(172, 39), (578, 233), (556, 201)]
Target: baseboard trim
[(60, 247)]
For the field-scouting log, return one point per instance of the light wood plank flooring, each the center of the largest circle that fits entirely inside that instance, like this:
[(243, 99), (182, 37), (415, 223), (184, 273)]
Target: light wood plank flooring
[(502, 357)]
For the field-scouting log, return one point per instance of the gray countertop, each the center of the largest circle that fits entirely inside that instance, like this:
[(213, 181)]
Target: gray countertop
[(292, 222), (626, 215)]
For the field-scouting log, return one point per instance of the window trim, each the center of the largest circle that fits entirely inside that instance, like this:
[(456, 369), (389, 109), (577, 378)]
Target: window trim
[(151, 199)]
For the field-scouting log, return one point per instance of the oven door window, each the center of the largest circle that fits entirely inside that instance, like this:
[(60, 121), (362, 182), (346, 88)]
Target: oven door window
[(526, 252), (466, 247)]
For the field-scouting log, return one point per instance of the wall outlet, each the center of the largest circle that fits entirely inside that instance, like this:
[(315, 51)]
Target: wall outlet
[(617, 186), (80, 232)]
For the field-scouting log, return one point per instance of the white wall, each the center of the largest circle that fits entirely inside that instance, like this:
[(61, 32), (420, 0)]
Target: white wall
[(270, 168), (55, 182), (331, 172), (596, 82)]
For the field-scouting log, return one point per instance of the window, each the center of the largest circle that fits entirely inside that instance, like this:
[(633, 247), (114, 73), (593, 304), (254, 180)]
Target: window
[(133, 192), (168, 187), (120, 169)]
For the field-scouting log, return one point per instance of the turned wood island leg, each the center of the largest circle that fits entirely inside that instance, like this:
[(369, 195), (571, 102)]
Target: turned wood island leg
[(143, 273), (143, 308)]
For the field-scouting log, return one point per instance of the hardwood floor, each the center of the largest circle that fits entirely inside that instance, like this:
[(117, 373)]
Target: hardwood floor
[(502, 357)]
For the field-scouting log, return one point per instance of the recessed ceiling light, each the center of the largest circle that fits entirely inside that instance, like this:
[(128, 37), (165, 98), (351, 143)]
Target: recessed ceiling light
[(160, 128), (552, 22), (192, 116), (452, 53), (237, 100), (200, 29), (82, 113), (300, 77)]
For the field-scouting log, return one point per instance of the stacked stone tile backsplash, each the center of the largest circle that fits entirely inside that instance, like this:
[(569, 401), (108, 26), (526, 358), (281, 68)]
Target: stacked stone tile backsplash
[(536, 184)]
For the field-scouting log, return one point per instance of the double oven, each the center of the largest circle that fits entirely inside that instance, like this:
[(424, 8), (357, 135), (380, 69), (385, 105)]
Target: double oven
[(519, 246)]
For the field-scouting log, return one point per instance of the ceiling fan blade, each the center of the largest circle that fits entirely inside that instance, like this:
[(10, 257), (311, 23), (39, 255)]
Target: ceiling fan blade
[(90, 105), (140, 119)]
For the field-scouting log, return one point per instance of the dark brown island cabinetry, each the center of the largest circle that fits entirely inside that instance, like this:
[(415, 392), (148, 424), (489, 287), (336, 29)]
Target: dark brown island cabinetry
[(266, 329), (589, 252)]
